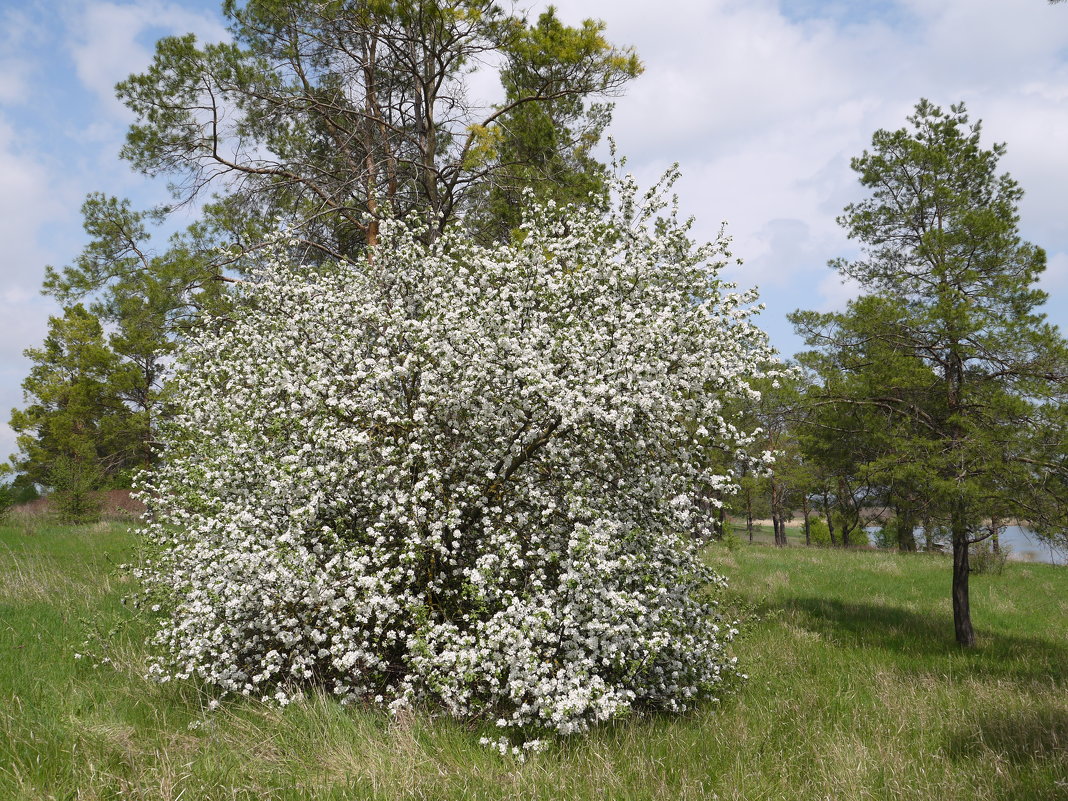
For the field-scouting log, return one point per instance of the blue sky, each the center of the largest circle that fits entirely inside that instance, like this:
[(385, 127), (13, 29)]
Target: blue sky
[(762, 102)]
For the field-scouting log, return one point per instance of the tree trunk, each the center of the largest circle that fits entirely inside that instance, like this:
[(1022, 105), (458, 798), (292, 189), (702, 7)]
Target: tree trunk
[(962, 615), (847, 535), (808, 523), (778, 524), (847, 526), (906, 538), (928, 535), (369, 145), (995, 535), (749, 513), (830, 519)]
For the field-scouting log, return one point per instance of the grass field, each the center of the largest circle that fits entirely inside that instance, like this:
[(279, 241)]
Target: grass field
[(856, 691)]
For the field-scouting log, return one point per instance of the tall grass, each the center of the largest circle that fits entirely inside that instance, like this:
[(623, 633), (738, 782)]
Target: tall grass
[(855, 691)]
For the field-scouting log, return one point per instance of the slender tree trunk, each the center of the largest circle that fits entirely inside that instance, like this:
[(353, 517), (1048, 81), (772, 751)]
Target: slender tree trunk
[(906, 538), (928, 535), (847, 528), (423, 92), (830, 519), (808, 523), (962, 615), (847, 535), (749, 513), (778, 524), (370, 115)]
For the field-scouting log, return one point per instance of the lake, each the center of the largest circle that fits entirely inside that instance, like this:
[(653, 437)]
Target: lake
[(1023, 544), (1027, 547)]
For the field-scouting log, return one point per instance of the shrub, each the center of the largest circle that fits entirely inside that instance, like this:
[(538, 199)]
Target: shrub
[(858, 537), (732, 541), (982, 558), (76, 482), (459, 476), (818, 533), (16, 492)]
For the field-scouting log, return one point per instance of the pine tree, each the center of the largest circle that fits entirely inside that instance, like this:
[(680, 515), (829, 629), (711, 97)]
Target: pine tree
[(958, 359), (77, 433)]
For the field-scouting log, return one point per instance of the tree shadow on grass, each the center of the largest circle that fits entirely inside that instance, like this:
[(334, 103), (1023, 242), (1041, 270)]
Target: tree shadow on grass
[(1021, 736), (1033, 741), (923, 643)]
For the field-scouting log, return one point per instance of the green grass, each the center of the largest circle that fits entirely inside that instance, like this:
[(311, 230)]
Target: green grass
[(856, 691), (765, 535)]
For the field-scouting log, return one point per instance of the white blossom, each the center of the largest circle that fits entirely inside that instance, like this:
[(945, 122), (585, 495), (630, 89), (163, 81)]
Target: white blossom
[(459, 476)]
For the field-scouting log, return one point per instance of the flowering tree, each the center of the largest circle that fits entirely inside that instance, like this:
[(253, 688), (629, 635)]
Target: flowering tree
[(459, 475)]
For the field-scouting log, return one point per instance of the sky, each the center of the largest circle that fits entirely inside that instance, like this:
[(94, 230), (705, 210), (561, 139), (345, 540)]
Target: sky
[(762, 103)]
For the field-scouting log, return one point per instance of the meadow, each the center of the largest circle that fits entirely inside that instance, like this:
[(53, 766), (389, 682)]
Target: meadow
[(855, 690)]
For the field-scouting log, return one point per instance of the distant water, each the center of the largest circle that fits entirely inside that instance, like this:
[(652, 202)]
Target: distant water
[(1023, 544), (1028, 547)]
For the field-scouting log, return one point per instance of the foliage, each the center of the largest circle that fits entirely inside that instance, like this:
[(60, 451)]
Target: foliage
[(145, 300), (18, 490), (731, 541), (772, 411), (984, 559), (77, 431), (818, 532), (885, 536), (547, 146), (323, 114), (949, 380), (460, 475), (75, 482), (851, 530)]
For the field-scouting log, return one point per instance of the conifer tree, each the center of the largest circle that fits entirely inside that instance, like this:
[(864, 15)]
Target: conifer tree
[(77, 433), (969, 377)]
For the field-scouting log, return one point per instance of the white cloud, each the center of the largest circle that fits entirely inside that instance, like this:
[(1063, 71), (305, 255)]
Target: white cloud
[(32, 197), (19, 34), (14, 87), (107, 42), (835, 292)]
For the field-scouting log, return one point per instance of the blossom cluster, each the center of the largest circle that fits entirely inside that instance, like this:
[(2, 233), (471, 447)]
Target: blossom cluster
[(460, 476)]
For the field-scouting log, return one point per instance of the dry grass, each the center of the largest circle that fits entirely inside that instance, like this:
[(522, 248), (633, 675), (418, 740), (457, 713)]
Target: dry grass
[(25, 578)]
